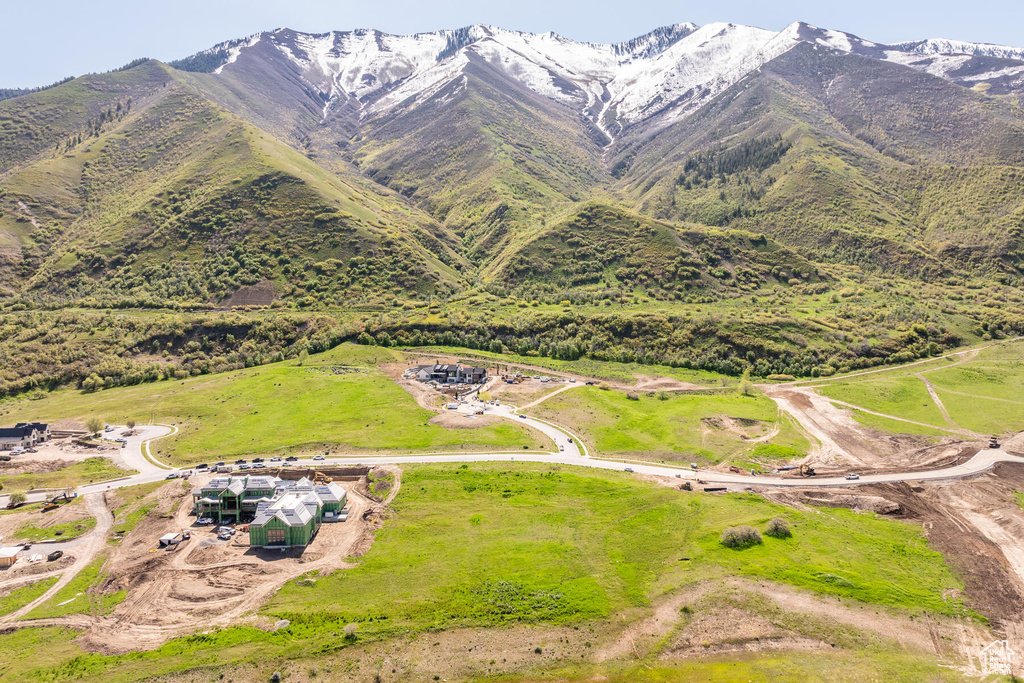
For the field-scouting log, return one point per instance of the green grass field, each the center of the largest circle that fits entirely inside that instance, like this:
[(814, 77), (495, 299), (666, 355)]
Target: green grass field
[(488, 545), (79, 596), (671, 426), (895, 426), (984, 394), (19, 597), (905, 397), (283, 407), (84, 472), (31, 532), (535, 543)]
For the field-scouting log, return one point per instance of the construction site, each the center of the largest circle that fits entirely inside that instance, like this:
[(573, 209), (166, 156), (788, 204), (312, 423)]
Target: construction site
[(180, 573)]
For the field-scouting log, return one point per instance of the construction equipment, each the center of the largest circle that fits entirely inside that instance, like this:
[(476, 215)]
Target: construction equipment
[(49, 506), (63, 497), (737, 470), (320, 478), (686, 487), (993, 443), (807, 471)]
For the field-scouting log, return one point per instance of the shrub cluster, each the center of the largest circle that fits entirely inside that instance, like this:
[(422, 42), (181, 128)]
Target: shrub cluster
[(741, 537), (778, 528)]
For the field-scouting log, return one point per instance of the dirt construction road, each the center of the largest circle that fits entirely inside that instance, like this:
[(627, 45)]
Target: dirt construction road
[(85, 551)]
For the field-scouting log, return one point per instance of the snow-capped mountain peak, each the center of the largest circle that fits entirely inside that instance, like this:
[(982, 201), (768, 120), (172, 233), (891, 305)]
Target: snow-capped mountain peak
[(944, 46), (668, 72)]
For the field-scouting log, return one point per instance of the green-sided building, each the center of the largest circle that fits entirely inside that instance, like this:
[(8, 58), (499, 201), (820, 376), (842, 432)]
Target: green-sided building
[(284, 513)]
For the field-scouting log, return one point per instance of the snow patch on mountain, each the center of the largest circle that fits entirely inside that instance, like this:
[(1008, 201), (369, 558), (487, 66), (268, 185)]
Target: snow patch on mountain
[(236, 50), (944, 46), (669, 72), (936, 65)]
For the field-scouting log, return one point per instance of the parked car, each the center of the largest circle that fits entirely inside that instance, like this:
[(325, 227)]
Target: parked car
[(31, 450), (17, 451), (629, 469), (291, 458), (259, 464), (220, 464), (172, 475), (204, 521), (108, 428), (852, 475), (202, 466), (561, 448), (318, 457), (522, 417), (276, 458), (241, 461), (256, 460), (243, 467)]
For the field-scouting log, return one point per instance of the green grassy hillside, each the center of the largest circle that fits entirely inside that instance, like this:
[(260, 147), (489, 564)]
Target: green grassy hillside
[(509, 161), (281, 408), (850, 159), (180, 201)]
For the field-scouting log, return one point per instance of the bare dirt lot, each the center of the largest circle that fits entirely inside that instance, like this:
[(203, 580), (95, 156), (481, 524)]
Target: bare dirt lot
[(841, 440)]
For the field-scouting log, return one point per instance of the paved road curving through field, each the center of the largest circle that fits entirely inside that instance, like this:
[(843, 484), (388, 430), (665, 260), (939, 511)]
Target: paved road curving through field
[(569, 454)]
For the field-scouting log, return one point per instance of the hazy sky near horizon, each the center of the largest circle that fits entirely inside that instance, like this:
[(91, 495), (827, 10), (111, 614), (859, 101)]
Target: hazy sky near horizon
[(45, 41)]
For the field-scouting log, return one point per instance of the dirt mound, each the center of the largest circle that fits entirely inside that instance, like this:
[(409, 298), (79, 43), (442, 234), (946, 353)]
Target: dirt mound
[(9, 469), (833, 499), (660, 383), (455, 420), (729, 630), (259, 294), (68, 425)]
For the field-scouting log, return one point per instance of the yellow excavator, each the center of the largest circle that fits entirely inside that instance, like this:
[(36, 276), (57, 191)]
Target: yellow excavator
[(321, 478)]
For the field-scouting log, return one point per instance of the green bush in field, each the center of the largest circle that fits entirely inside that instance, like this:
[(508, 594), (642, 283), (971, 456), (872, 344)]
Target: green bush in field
[(778, 528), (741, 537)]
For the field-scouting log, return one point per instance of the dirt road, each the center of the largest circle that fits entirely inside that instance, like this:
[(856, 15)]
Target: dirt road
[(85, 550)]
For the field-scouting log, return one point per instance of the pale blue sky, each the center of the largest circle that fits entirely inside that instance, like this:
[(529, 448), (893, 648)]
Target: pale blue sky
[(44, 41)]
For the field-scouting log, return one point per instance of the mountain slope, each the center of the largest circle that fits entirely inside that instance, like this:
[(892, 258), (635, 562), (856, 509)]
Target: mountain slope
[(834, 152), (181, 201)]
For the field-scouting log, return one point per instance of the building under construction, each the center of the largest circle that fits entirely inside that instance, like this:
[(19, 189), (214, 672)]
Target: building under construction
[(283, 513)]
